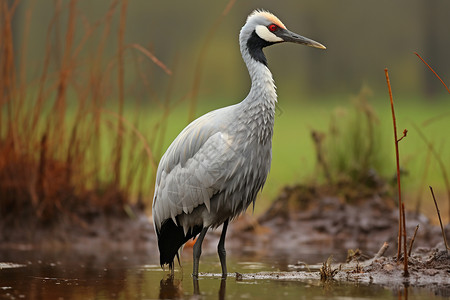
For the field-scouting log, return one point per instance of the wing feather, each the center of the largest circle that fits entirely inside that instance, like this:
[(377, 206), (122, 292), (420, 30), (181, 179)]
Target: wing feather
[(193, 168)]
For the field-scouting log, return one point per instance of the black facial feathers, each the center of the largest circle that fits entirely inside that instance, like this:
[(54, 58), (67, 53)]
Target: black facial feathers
[(255, 44)]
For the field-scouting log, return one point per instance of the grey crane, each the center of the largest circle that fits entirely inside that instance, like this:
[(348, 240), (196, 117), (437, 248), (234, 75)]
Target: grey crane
[(215, 167)]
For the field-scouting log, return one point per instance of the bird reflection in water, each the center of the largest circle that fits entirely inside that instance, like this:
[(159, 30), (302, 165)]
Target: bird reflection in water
[(171, 288)]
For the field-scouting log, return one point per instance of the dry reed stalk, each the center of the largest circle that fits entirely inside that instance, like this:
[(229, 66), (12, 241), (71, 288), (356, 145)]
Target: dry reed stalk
[(405, 251), (397, 158), (435, 74), (40, 188), (120, 82), (95, 82), (65, 72), (20, 113), (411, 243), (39, 103), (152, 57), (440, 221), (7, 82)]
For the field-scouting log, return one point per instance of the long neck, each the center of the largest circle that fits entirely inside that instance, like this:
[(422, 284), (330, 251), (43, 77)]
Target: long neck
[(259, 105)]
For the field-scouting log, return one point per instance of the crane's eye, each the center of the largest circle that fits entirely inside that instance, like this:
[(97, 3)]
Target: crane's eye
[(272, 27)]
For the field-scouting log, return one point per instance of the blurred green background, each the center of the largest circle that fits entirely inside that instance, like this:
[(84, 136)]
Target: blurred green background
[(314, 87), (362, 38)]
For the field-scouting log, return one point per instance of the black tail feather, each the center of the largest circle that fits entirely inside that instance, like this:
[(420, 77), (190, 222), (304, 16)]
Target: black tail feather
[(170, 238)]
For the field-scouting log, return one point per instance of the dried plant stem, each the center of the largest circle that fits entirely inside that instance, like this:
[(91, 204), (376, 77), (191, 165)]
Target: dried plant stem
[(446, 87), (152, 57), (7, 66), (382, 250), (440, 221), (405, 251), (411, 243), (398, 164), (65, 71), (120, 81)]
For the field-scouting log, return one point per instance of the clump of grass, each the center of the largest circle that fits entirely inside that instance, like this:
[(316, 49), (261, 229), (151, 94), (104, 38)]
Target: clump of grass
[(326, 271), (349, 153), (54, 158)]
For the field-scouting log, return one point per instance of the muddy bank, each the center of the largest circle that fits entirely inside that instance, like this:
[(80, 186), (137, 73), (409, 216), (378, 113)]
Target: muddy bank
[(323, 220), (301, 220), (427, 268)]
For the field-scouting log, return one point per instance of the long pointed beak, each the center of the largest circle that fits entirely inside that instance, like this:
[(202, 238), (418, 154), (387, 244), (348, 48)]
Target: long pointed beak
[(289, 36)]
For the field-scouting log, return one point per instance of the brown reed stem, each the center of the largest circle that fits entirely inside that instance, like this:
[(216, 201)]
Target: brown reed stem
[(397, 158), (411, 243), (40, 188), (152, 57), (64, 72), (7, 75), (405, 251), (120, 82), (429, 67), (440, 220)]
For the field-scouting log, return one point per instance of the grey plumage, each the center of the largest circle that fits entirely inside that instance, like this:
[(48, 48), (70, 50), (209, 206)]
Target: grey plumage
[(216, 166)]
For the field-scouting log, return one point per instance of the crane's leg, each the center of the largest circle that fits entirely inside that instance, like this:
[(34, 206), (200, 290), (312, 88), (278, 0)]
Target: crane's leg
[(197, 251), (221, 250)]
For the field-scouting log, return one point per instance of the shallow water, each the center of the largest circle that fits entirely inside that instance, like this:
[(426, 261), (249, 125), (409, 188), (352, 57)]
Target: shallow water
[(69, 275)]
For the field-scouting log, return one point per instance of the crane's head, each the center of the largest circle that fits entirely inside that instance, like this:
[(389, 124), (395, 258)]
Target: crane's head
[(263, 29)]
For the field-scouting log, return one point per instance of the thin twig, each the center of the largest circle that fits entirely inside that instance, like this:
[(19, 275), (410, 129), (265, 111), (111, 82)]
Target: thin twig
[(411, 243), (440, 221), (398, 166), (152, 57), (446, 87), (405, 132), (382, 250)]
